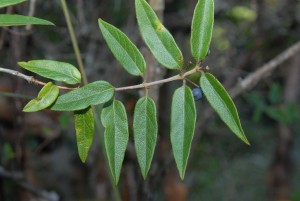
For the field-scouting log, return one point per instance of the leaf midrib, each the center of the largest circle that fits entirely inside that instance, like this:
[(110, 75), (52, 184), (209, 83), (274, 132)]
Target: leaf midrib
[(61, 73), (224, 104), (86, 97), (124, 48)]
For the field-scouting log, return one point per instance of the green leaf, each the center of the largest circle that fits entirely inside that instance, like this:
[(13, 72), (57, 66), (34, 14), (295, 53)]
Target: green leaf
[(114, 120), (55, 70), (157, 37), (145, 132), (202, 27), (92, 94), (124, 50), (84, 126), (45, 98), (183, 119), (20, 20), (5, 3), (221, 102)]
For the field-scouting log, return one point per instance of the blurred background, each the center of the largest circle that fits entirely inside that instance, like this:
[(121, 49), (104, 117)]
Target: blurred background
[(38, 153)]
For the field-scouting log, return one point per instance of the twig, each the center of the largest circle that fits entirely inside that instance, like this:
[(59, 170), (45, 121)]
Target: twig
[(85, 82), (191, 82), (20, 180), (31, 79), (170, 79), (252, 79), (74, 41)]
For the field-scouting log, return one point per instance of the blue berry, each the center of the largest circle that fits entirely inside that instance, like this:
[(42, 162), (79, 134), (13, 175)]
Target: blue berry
[(197, 93)]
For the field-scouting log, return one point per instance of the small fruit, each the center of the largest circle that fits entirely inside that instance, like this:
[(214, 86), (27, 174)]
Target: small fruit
[(197, 93)]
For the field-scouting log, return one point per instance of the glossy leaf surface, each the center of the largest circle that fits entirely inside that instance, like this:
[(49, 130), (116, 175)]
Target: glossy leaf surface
[(157, 37), (45, 98), (20, 20), (222, 103), (145, 132), (92, 94), (124, 50), (55, 70), (84, 126), (114, 120), (5, 3), (202, 27), (183, 119)]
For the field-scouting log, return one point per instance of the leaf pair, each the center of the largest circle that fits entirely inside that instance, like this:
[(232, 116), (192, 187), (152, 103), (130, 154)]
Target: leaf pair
[(18, 20), (157, 37), (58, 71), (114, 120), (183, 117)]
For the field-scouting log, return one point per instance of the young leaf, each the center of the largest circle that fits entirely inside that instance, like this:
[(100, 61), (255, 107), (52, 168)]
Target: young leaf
[(45, 98), (92, 94), (183, 119), (202, 26), (157, 37), (114, 120), (145, 132), (124, 50), (55, 70), (84, 126), (5, 3), (222, 104), (20, 20)]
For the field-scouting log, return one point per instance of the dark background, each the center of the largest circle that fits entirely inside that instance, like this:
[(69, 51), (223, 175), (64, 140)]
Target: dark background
[(38, 152)]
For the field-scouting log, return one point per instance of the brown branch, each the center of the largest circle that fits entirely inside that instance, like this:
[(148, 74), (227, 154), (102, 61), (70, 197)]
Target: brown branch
[(252, 79), (170, 79), (31, 79)]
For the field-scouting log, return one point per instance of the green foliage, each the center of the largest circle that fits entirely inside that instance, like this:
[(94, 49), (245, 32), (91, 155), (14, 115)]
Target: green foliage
[(114, 120), (8, 152), (123, 49), (202, 27), (275, 93), (92, 94), (222, 103), (278, 110), (5, 3), (157, 37), (183, 119), (45, 98), (55, 70), (20, 20), (113, 115), (84, 126), (145, 132)]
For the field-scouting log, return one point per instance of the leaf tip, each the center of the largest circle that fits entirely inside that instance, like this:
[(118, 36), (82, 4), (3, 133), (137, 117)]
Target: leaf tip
[(82, 158), (182, 175), (25, 109), (247, 142)]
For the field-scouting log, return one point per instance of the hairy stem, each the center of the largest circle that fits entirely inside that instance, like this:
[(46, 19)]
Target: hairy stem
[(170, 79)]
